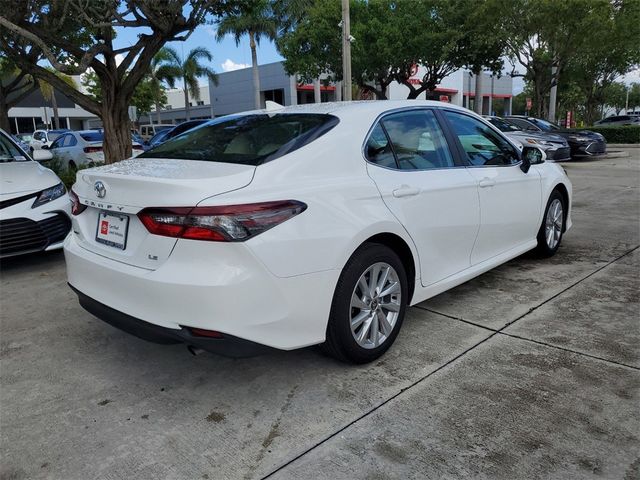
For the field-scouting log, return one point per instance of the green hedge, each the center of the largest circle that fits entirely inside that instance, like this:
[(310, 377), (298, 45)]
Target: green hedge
[(67, 175), (619, 134)]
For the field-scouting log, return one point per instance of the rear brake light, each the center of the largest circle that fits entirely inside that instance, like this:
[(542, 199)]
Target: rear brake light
[(76, 207), (200, 332), (92, 149), (137, 147), (228, 223)]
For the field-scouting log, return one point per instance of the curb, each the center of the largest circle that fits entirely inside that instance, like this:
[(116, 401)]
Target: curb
[(623, 145)]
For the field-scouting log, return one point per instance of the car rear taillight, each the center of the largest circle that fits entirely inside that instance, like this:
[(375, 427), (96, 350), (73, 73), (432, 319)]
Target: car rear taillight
[(92, 149), (228, 223), (137, 147), (76, 207)]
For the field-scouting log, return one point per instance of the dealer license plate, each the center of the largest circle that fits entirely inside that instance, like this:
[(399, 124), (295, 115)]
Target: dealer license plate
[(112, 229)]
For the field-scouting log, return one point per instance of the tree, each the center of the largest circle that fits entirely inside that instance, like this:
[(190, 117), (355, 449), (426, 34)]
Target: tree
[(15, 86), (610, 51), (159, 72), (441, 41), (143, 98), (49, 93), (256, 19), (190, 70), (73, 35), (545, 34)]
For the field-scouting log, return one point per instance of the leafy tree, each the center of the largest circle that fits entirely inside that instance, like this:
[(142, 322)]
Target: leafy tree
[(256, 19), (441, 41), (634, 95), (190, 70), (612, 49), (75, 35), (541, 34), (15, 86), (144, 97)]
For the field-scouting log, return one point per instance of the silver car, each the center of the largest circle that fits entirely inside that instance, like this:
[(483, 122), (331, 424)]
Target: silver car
[(556, 147), (619, 120)]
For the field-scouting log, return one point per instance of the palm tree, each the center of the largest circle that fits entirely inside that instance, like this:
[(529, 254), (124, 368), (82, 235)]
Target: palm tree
[(161, 70), (255, 19), (190, 69), (49, 94)]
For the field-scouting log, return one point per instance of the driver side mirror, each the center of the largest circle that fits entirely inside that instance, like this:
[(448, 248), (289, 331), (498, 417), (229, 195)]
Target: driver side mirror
[(531, 156), (41, 155)]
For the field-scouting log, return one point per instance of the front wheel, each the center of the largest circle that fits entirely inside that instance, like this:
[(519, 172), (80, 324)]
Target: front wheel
[(552, 228), (368, 305)]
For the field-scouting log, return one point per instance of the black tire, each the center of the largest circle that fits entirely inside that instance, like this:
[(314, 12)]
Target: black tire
[(543, 250), (340, 342)]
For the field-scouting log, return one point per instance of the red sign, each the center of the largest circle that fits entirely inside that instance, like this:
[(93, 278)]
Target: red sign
[(444, 98), (529, 104), (104, 227), (569, 115)]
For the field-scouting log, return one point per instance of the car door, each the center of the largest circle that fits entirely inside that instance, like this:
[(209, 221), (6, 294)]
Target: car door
[(510, 200), (61, 148), (426, 187)]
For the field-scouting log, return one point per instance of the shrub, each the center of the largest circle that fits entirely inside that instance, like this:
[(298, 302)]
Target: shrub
[(66, 174), (619, 133)]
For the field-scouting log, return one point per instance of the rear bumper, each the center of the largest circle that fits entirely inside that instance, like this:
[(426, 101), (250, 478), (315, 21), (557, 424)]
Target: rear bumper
[(228, 345), (205, 285)]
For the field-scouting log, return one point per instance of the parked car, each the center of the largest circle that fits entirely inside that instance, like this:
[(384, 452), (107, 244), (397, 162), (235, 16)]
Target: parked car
[(165, 135), (34, 205), (556, 147), (583, 143), (148, 131), (43, 138), (619, 120), (83, 147), (313, 224)]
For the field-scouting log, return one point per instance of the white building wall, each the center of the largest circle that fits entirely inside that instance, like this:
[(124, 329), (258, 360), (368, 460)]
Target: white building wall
[(175, 97)]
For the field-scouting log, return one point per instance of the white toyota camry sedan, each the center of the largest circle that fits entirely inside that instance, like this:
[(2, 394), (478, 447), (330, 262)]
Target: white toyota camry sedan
[(313, 224)]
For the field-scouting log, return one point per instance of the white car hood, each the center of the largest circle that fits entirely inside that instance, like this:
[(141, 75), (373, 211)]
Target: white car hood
[(19, 178)]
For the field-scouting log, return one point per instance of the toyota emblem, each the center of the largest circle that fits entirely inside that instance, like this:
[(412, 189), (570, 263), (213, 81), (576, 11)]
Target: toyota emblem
[(100, 189)]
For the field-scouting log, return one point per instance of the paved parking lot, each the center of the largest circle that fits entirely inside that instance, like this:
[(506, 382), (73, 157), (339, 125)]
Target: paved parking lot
[(531, 370)]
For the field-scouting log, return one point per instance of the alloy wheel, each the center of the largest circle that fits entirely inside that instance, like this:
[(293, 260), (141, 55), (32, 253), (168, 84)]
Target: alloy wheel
[(375, 305), (553, 223)]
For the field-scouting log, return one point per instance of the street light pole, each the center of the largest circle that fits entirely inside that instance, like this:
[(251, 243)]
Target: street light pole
[(346, 51)]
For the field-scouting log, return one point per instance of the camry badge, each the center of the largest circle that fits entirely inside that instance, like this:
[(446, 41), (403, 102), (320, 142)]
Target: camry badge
[(100, 189)]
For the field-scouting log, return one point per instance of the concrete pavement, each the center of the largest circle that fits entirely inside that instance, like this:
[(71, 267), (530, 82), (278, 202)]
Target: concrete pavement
[(531, 370)]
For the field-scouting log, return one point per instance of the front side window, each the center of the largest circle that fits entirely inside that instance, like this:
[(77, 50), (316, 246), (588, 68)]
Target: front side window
[(69, 141), (57, 143), (503, 125), (38, 136), (414, 140), (246, 139), (483, 146), (524, 124)]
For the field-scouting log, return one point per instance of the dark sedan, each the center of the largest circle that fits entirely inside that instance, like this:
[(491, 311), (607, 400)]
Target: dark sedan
[(583, 143)]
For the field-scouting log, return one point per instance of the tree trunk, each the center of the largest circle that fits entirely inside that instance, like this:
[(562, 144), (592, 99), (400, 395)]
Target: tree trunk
[(5, 123), (478, 99), (116, 123), (255, 72), (187, 108), (54, 105)]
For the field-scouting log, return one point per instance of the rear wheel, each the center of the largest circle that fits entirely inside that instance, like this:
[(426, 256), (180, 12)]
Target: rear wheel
[(552, 228), (368, 305)]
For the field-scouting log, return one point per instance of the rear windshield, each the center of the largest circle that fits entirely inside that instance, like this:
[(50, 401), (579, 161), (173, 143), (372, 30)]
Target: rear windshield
[(503, 126), (92, 136), (246, 139)]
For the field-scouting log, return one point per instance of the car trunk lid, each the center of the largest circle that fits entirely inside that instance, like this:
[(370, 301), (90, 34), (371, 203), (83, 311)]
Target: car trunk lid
[(115, 193)]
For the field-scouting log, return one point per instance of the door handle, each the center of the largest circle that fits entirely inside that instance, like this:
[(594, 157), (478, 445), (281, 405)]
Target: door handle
[(405, 191), (487, 182)]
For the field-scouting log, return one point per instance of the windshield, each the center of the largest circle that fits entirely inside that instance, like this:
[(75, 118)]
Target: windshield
[(503, 125), (96, 136), (9, 152), (544, 125), (246, 139)]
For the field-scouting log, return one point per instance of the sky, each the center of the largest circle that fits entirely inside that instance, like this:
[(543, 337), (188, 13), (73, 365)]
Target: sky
[(226, 55)]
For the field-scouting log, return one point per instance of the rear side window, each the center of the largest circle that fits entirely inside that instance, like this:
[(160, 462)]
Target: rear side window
[(69, 141), (414, 138), (246, 139), (92, 136)]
